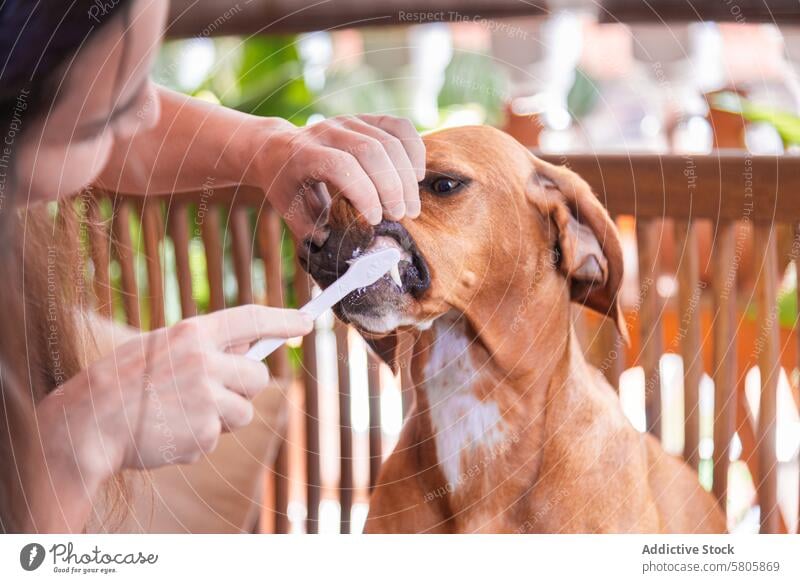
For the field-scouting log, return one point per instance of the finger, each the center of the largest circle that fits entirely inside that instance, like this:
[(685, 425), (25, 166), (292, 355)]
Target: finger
[(374, 160), (343, 173), (234, 410), (245, 324), (240, 374), (404, 131), (399, 158)]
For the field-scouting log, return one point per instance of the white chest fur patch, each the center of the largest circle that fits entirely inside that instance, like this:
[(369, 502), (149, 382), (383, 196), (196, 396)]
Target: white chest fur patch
[(462, 422)]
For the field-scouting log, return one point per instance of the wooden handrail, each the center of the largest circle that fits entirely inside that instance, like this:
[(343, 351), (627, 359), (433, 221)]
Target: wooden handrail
[(217, 17), (224, 17), (663, 11), (722, 185)]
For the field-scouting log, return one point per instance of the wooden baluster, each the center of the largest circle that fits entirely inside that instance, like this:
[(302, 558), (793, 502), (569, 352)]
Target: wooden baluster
[(689, 296), (178, 228), (212, 241), (345, 428), (241, 249), (724, 325), (280, 490), (313, 472), (652, 342), (98, 237), (123, 248), (784, 242), (728, 131), (745, 429), (268, 239), (769, 365), (153, 233), (375, 437)]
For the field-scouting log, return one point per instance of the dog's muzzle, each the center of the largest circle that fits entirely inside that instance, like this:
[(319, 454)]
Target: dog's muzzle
[(328, 261)]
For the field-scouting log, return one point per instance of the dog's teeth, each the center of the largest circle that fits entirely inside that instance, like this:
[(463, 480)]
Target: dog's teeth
[(394, 273)]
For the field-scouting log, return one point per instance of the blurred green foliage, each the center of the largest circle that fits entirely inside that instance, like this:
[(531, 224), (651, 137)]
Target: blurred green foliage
[(475, 79), (269, 80), (583, 95), (260, 75), (359, 90)]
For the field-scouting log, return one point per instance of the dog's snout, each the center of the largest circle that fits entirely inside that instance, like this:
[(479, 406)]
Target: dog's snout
[(326, 253), (325, 261)]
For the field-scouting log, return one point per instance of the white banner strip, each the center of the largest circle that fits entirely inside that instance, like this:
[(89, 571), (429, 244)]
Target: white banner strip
[(401, 559)]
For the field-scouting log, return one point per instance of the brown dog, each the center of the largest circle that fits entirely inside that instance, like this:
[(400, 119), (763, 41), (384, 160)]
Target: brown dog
[(512, 430)]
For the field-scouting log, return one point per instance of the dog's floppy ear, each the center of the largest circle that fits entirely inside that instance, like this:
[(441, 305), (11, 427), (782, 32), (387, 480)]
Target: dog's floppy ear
[(385, 346), (590, 253)]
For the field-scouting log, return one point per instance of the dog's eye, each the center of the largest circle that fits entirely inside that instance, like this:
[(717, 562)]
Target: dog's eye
[(445, 185)]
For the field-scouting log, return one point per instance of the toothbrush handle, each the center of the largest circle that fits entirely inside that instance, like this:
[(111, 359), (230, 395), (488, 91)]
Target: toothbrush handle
[(315, 308), (264, 347)]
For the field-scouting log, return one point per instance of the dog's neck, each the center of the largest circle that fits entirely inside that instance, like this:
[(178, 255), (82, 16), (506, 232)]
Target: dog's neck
[(479, 412), (461, 417)]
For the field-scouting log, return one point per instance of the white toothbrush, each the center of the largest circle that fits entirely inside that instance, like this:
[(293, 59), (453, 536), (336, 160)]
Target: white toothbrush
[(362, 272)]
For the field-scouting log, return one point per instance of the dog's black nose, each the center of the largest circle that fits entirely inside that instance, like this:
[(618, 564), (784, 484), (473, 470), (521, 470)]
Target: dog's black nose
[(310, 247)]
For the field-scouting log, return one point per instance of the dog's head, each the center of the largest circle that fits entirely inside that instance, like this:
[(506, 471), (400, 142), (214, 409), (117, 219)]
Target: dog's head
[(500, 232)]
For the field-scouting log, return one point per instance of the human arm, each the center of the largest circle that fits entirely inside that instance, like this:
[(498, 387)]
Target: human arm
[(373, 160)]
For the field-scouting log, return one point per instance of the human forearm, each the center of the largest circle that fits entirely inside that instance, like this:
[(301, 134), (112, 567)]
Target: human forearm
[(195, 145), (62, 500), (67, 468), (374, 161)]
